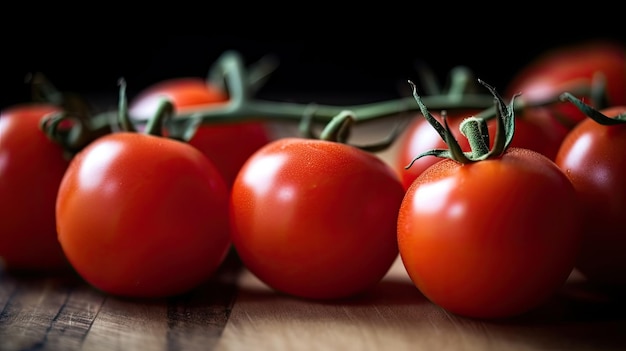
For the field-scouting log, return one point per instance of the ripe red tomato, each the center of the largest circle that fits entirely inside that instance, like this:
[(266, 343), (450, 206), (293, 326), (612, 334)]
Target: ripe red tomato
[(31, 168), (562, 68), (143, 216), (490, 239), (420, 136), (593, 156), (228, 145), (316, 219)]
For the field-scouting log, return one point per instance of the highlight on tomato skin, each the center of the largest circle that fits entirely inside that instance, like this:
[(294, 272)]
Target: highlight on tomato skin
[(31, 168), (593, 156), (316, 219), (227, 144), (143, 216)]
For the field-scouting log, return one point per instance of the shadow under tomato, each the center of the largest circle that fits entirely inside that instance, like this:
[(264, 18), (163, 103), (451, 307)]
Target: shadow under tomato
[(387, 292), (577, 302), (579, 317)]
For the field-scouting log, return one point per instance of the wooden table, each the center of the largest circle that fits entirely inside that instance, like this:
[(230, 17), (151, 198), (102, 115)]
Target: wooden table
[(235, 311)]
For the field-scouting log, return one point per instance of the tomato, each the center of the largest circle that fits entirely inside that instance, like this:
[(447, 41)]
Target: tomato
[(593, 156), (562, 68), (228, 145), (490, 239), (420, 136), (492, 232), (31, 168), (316, 218), (143, 216)]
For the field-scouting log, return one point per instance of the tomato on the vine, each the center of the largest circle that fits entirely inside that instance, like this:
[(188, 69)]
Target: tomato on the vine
[(31, 168), (420, 136), (228, 145), (143, 216), (593, 156), (564, 68), (492, 233), (316, 218)]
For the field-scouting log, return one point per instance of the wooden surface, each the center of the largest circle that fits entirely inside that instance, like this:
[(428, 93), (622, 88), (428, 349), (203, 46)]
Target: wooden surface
[(235, 311)]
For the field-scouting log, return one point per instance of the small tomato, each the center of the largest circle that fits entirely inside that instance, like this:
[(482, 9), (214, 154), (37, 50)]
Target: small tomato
[(593, 156), (143, 216), (316, 218), (31, 168), (490, 233)]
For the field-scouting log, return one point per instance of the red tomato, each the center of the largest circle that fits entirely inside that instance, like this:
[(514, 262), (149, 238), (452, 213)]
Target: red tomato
[(228, 145), (490, 239), (594, 158), (316, 219), (562, 68), (420, 136), (31, 168), (143, 216)]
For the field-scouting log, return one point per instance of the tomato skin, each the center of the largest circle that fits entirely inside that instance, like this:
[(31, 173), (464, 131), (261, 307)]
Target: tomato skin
[(228, 145), (558, 70), (593, 157), (420, 137), (492, 239), (316, 219), (143, 216), (31, 168)]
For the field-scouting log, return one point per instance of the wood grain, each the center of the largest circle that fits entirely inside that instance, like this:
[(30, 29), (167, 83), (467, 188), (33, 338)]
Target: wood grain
[(395, 316), (64, 313)]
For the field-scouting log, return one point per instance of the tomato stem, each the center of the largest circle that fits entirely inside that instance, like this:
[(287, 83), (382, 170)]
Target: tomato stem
[(477, 134), (338, 129), (460, 77), (257, 76), (521, 104), (124, 120), (77, 135), (155, 124), (44, 91), (474, 129), (598, 93), (593, 113)]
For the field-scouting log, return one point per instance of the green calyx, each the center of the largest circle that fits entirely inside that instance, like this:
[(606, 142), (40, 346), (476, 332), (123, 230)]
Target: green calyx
[(593, 113), (474, 129)]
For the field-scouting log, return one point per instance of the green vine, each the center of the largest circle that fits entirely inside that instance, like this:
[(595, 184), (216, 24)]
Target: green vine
[(241, 83)]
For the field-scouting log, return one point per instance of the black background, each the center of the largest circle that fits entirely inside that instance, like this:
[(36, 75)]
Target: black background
[(351, 68)]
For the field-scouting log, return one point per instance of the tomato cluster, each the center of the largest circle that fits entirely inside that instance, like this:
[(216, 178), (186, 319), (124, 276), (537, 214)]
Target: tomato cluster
[(489, 210)]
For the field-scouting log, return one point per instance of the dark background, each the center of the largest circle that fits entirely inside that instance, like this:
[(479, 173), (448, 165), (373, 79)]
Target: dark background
[(326, 68)]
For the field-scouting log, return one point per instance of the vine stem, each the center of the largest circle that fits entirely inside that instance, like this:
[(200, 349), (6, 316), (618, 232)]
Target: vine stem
[(325, 113), (230, 73)]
